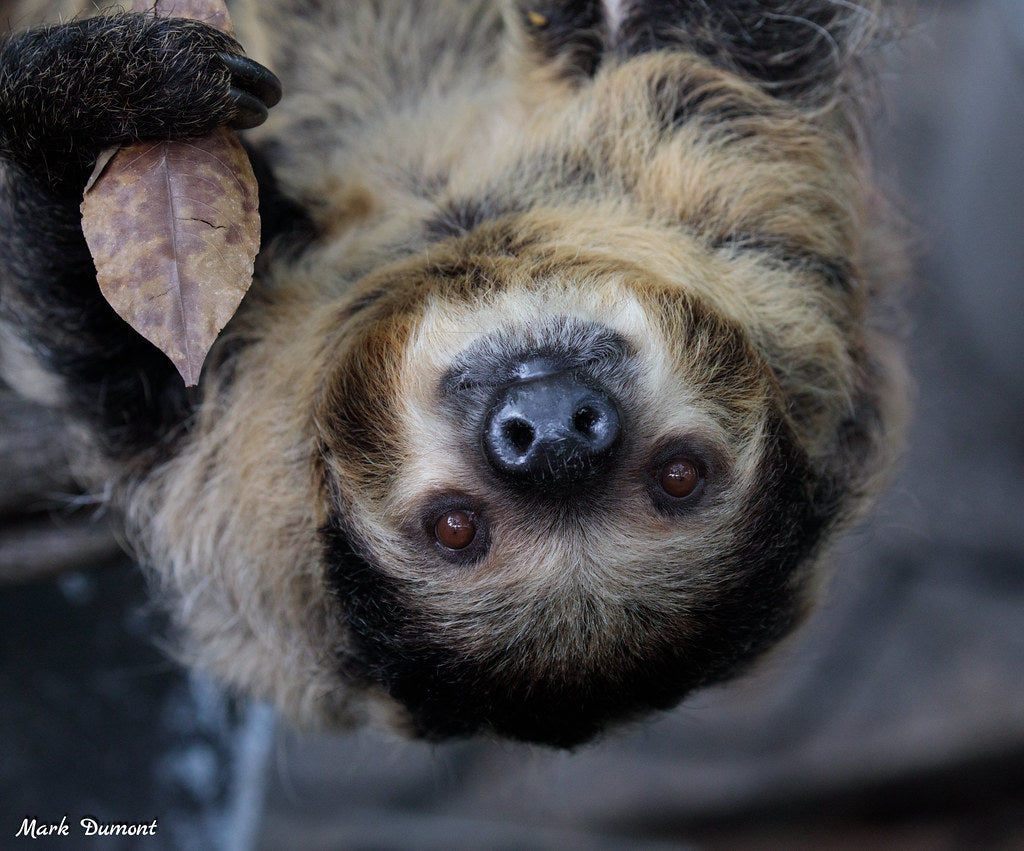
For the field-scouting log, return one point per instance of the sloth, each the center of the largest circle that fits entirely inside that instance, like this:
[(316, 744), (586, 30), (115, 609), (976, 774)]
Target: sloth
[(565, 362)]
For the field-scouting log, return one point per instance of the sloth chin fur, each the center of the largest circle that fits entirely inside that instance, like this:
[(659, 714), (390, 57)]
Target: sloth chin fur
[(552, 412)]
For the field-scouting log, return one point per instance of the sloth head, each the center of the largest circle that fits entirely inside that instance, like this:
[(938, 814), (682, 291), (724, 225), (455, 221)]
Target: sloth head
[(561, 491)]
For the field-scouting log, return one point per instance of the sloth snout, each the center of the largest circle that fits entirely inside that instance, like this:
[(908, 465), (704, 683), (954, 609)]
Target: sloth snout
[(550, 430)]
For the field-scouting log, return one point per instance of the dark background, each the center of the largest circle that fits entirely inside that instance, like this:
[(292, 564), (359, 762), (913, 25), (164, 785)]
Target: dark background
[(896, 719)]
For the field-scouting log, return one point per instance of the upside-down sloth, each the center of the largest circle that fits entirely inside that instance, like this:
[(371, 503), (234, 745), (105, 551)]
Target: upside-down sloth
[(561, 369)]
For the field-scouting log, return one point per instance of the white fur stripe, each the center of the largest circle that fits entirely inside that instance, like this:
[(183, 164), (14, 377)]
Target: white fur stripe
[(613, 13)]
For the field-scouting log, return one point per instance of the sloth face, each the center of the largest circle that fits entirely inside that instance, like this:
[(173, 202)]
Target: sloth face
[(561, 492)]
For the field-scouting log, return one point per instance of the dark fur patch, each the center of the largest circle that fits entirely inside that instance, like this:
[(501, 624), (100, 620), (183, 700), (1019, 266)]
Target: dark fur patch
[(837, 272), (678, 101), (793, 47), (283, 221), (459, 217), (357, 425), (568, 32), (361, 303)]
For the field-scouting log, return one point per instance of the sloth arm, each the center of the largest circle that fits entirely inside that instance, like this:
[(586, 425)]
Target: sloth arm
[(66, 93)]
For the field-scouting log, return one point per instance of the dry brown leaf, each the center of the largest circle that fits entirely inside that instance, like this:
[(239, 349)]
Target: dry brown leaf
[(173, 254), (173, 228)]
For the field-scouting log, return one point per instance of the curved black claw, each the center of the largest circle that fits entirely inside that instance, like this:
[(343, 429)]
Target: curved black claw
[(249, 110), (254, 89)]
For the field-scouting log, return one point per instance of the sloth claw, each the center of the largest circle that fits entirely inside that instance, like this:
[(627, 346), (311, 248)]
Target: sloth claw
[(254, 89), (249, 110)]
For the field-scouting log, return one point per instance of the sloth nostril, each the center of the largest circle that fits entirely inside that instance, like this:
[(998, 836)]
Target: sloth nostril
[(585, 421), (550, 430), (519, 433)]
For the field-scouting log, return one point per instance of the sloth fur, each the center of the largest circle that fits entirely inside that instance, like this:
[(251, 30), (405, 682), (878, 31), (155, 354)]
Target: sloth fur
[(466, 204)]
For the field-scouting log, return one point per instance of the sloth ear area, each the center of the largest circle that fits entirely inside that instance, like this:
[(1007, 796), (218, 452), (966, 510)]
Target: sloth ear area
[(796, 49)]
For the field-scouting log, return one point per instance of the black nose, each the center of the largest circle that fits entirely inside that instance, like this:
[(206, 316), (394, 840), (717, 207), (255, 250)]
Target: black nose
[(550, 430)]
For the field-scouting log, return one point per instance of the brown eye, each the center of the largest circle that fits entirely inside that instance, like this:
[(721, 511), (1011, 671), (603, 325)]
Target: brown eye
[(679, 478), (455, 530), (454, 527)]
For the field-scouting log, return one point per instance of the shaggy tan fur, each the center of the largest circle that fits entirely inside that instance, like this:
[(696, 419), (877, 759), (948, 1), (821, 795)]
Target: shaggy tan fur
[(724, 232)]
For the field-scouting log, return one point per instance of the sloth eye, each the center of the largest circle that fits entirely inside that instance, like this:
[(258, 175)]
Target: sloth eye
[(455, 527), (455, 530), (680, 474), (679, 477)]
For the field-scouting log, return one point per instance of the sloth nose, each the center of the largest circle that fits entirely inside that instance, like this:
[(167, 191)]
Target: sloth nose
[(551, 430)]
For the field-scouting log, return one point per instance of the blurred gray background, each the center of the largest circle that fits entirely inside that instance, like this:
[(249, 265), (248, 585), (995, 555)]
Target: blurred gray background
[(895, 720)]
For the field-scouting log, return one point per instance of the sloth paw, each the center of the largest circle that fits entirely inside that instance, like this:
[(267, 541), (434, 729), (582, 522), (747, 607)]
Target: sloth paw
[(71, 90)]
